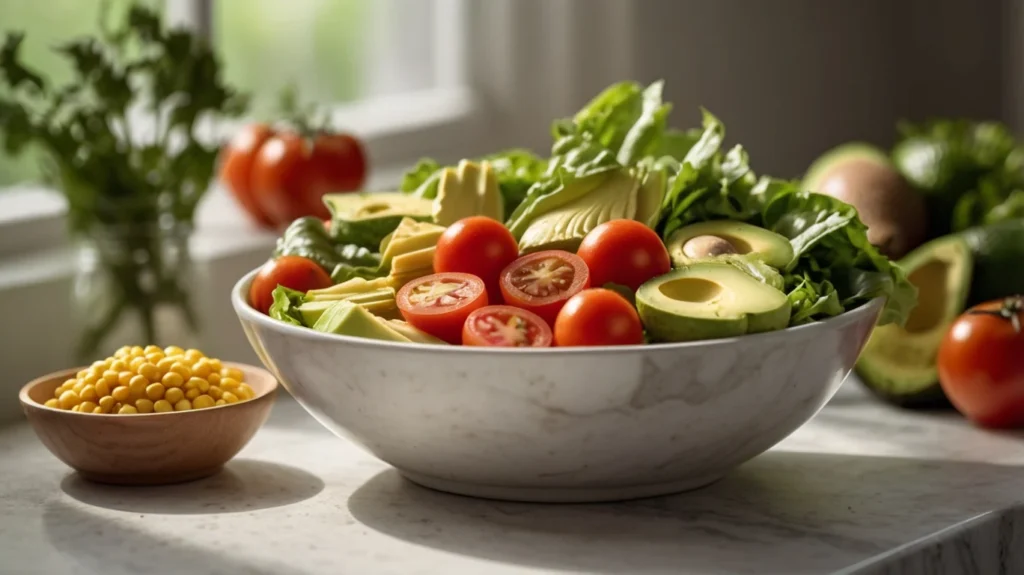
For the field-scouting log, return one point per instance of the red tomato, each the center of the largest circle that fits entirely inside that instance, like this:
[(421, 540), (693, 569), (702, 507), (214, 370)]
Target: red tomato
[(542, 282), (981, 363), (293, 272), (440, 303), (281, 176), (236, 166), (625, 252), (598, 316), (480, 246), (505, 326)]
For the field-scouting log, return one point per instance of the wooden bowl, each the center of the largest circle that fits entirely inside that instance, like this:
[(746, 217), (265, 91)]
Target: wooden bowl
[(150, 448)]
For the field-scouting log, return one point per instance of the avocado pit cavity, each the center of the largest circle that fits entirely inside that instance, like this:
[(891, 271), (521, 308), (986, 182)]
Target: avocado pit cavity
[(691, 289), (707, 246)]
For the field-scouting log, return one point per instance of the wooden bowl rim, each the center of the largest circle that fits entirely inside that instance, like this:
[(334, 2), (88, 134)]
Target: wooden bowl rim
[(26, 401)]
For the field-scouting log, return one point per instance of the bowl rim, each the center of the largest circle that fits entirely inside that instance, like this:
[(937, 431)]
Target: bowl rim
[(27, 401), (245, 312)]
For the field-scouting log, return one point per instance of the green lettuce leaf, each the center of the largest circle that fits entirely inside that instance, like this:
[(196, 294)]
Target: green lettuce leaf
[(286, 304), (422, 172), (810, 300)]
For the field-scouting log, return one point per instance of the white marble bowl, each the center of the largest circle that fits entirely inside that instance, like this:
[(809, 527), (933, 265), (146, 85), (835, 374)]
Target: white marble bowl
[(562, 424)]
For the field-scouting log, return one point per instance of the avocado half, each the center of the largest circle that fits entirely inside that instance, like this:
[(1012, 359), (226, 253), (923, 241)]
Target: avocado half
[(709, 300), (770, 247), (951, 274)]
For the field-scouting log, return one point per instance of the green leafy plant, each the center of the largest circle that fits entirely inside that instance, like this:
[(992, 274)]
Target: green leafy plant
[(123, 143)]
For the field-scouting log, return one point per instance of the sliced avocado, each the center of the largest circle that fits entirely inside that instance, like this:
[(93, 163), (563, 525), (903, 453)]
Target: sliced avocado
[(709, 300), (379, 302), (347, 318), (899, 363), (414, 334), (365, 219), (951, 273), (650, 196), (352, 286), (561, 194), (471, 189), (409, 236), (564, 228), (720, 237)]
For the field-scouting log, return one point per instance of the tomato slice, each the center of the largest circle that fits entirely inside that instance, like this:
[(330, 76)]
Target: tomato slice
[(505, 326), (440, 303), (543, 281)]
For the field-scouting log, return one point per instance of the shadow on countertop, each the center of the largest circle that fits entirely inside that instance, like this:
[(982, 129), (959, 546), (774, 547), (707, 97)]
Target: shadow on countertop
[(783, 512), (243, 485)]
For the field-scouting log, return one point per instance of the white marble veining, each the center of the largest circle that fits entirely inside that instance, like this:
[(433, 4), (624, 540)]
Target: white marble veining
[(565, 425), (860, 490)]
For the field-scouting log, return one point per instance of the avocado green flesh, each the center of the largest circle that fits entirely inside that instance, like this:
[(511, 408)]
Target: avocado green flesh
[(471, 189), (772, 248), (367, 218), (347, 318), (709, 300), (900, 362)]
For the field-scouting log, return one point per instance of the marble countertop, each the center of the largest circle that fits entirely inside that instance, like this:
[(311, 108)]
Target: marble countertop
[(862, 489)]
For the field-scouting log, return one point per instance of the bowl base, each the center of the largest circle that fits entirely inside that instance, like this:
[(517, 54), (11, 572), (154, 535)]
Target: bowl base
[(149, 479), (560, 494)]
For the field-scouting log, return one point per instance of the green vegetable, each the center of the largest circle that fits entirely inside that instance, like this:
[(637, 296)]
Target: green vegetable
[(367, 218), (286, 306), (307, 237)]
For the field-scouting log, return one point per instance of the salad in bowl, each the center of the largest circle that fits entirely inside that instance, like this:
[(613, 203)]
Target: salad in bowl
[(635, 314)]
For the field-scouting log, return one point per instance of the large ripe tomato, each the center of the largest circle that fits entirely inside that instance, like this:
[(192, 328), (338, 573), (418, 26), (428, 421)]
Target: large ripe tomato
[(981, 363), (543, 281), (505, 326), (625, 252), (293, 272), (598, 316), (480, 246), (280, 176), (440, 303), (236, 168)]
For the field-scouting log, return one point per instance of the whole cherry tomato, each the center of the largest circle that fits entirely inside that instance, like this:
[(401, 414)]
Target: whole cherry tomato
[(624, 252), (505, 326), (480, 246), (543, 281), (282, 181), (981, 363), (440, 303), (236, 169), (295, 272), (598, 316)]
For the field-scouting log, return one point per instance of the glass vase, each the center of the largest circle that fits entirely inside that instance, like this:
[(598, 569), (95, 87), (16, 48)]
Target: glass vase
[(133, 286)]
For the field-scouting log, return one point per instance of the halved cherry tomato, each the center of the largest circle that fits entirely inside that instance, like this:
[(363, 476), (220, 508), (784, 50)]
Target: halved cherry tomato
[(625, 252), (981, 363), (505, 326), (598, 316), (295, 272), (543, 281), (440, 303), (237, 160), (480, 246)]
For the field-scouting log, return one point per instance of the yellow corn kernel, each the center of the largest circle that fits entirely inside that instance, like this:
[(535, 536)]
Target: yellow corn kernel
[(69, 399), (52, 402), (151, 349), (174, 395), (125, 377), (181, 369), (215, 392), (78, 387), (137, 386), (127, 409), (164, 365), (118, 365), (173, 351), (110, 376), (123, 351), (149, 371), (229, 383), (162, 406), (202, 368), (220, 402), (202, 402), (215, 364), (246, 390), (67, 385), (229, 397), (154, 391), (213, 378), (193, 393), (203, 385), (193, 355), (232, 372), (88, 393), (137, 351), (98, 364), (172, 379), (136, 363), (106, 403), (87, 406), (116, 407), (76, 407), (103, 388), (144, 405), (198, 383), (183, 405), (155, 358), (82, 373), (121, 393)]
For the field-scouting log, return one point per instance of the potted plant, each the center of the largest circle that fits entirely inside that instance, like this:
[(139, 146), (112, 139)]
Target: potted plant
[(128, 143)]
